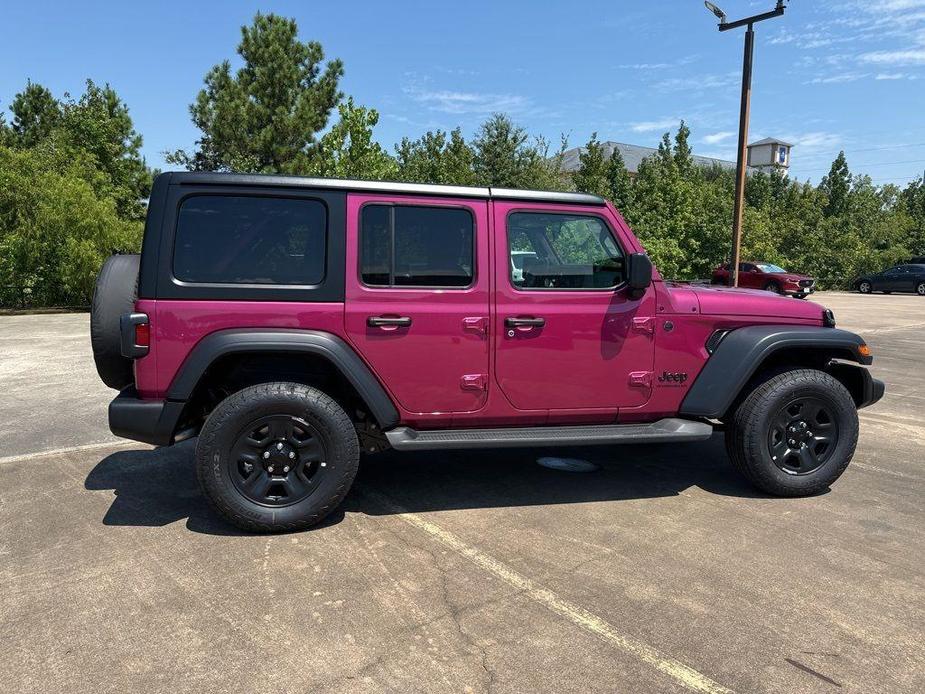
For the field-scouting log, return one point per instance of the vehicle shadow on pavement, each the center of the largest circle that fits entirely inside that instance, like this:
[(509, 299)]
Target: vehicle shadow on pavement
[(159, 487)]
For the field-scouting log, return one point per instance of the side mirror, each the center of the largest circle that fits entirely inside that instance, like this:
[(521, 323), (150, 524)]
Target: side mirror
[(638, 274)]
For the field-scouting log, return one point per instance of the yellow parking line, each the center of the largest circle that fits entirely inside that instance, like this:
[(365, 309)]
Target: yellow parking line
[(684, 674)]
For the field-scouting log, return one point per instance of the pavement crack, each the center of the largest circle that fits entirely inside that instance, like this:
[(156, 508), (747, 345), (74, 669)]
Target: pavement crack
[(814, 673)]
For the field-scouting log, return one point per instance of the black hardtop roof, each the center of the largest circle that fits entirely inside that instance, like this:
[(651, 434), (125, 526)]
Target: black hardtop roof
[(253, 180)]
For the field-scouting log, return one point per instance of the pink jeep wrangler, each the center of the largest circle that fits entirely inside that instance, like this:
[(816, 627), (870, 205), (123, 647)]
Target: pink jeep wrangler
[(293, 323)]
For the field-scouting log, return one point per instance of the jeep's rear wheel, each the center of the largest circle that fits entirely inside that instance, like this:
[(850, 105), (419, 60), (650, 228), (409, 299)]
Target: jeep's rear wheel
[(795, 434), (277, 456)]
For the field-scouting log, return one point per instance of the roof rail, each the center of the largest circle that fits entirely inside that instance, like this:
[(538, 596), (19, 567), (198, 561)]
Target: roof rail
[(234, 179)]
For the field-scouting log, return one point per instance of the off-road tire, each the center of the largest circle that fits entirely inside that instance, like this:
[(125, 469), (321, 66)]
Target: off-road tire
[(748, 432), (865, 287), (114, 294), (232, 417)]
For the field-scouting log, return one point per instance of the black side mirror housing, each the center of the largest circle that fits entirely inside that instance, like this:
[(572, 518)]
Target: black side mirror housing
[(638, 274)]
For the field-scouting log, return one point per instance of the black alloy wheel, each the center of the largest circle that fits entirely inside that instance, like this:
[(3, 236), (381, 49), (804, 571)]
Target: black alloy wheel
[(803, 435)]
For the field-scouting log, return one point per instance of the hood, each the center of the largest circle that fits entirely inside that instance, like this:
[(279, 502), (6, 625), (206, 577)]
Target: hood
[(789, 276), (736, 301)]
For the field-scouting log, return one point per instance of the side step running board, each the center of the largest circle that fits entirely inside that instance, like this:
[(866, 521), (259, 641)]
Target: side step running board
[(662, 431)]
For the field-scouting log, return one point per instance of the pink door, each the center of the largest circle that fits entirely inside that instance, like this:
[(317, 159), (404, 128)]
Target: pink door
[(568, 335), (417, 298)]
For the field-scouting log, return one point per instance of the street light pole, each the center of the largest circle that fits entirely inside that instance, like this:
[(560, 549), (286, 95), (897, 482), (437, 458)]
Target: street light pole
[(741, 157), (744, 111)]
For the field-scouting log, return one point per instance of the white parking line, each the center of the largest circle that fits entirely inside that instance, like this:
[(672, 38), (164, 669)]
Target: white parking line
[(683, 674), (71, 449)]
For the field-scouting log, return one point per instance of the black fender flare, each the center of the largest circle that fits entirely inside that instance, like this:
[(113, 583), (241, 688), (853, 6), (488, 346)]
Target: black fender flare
[(280, 340), (741, 351)]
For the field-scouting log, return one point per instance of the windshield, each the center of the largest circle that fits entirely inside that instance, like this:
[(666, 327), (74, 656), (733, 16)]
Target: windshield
[(767, 267)]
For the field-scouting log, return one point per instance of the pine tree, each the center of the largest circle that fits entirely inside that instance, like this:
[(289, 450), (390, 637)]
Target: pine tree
[(266, 116)]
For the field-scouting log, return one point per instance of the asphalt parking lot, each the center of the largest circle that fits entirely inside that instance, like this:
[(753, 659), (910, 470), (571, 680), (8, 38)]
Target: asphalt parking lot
[(661, 571)]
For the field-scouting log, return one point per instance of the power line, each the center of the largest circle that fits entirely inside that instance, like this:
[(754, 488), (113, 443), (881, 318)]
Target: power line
[(882, 163)]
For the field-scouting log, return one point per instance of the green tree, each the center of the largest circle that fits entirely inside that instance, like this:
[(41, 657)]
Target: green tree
[(682, 152), (266, 116), (433, 158), (36, 113), (55, 229), (348, 149), (591, 176), (619, 183), (504, 157), (99, 123), (912, 200), (837, 185)]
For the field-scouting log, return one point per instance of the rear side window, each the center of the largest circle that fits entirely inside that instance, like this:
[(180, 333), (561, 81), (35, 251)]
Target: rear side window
[(562, 251), (414, 246), (223, 239)]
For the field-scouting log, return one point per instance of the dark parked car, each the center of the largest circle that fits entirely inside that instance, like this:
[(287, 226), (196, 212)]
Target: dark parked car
[(902, 278), (769, 277)]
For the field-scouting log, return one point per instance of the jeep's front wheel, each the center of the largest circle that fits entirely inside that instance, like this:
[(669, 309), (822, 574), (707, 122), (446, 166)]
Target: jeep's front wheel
[(795, 434), (276, 457)]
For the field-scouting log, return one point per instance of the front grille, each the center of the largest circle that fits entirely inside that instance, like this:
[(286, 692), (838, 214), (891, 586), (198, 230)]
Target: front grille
[(806, 283)]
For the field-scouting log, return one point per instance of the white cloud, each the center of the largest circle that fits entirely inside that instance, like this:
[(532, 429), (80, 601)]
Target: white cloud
[(716, 138), (890, 76), (813, 141), (464, 102), (912, 56), (654, 125), (893, 5), (700, 82), (686, 60), (837, 79)]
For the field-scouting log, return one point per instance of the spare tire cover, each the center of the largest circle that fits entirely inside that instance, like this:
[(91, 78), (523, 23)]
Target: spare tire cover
[(115, 293)]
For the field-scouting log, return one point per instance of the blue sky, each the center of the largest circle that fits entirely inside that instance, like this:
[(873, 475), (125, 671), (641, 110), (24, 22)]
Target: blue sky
[(829, 75)]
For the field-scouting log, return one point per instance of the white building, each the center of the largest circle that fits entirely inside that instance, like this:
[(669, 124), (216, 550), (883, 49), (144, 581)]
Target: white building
[(769, 154)]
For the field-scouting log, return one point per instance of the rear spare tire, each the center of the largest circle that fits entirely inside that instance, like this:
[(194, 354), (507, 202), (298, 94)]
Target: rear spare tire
[(115, 293)]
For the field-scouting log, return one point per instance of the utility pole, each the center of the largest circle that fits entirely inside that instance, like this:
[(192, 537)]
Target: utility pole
[(744, 110)]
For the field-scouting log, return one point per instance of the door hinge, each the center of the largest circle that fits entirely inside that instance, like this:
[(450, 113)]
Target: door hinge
[(474, 382), (644, 325), (476, 324), (641, 379)]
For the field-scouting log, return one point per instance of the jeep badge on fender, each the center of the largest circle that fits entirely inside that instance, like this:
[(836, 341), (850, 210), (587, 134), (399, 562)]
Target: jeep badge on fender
[(672, 377), (292, 324)]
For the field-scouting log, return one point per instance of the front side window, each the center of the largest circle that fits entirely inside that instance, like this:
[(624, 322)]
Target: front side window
[(562, 251), (416, 246), (224, 239)]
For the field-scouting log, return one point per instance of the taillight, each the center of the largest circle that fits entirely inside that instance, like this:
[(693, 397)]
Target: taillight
[(142, 335), (136, 334)]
